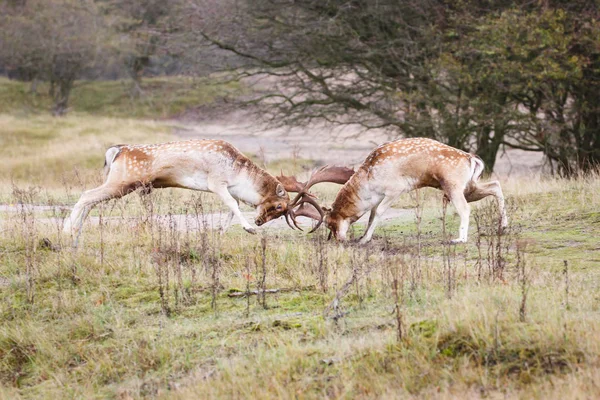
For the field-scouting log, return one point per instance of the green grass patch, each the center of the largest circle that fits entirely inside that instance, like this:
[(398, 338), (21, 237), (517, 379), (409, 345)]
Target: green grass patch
[(161, 98)]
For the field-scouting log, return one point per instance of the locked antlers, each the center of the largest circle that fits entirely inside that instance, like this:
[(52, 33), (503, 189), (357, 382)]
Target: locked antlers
[(290, 183), (297, 206)]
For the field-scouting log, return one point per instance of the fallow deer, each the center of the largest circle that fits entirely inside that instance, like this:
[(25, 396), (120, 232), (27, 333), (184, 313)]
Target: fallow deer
[(206, 165), (398, 167)]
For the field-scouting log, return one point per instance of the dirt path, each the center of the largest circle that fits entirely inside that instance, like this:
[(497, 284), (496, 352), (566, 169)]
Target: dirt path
[(343, 146), (347, 146), (189, 221)]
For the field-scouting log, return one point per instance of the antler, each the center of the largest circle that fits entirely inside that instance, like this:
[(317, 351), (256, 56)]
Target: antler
[(290, 183), (330, 174), (304, 211), (324, 174)]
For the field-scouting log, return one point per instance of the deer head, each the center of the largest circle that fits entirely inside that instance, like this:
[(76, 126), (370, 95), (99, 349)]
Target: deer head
[(273, 206)]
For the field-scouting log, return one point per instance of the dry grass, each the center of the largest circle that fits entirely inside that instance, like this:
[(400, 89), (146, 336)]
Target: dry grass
[(48, 151), (129, 315), (142, 310)]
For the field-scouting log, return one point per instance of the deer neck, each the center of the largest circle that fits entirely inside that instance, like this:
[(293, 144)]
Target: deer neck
[(255, 186), (348, 202)]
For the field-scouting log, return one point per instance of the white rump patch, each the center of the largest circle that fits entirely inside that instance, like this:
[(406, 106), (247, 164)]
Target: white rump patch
[(110, 155), (109, 158), (477, 167)]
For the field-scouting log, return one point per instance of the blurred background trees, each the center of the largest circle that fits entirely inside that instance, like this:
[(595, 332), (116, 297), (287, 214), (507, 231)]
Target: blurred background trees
[(479, 75), (141, 28), (53, 40)]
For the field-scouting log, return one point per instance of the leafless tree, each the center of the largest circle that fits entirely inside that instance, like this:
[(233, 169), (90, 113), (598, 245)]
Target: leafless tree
[(55, 40)]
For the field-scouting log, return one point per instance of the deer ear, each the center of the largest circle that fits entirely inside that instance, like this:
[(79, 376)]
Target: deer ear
[(280, 191)]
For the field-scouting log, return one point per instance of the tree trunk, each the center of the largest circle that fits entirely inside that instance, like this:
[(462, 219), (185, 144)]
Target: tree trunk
[(565, 157), (588, 155), (52, 87), (136, 89), (136, 70), (61, 96), (488, 145), (589, 150), (34, 85)]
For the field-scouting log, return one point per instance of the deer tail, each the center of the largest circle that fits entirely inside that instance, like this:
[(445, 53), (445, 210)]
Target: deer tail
[(477, 168), (109, 158)]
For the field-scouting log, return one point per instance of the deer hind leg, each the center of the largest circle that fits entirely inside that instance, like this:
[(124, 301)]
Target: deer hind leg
[(88, 200), (463, 209), (481, 190)]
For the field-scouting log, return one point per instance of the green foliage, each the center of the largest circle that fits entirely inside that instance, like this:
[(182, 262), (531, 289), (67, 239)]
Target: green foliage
[(479, 76), (518, 77), (518, 49)]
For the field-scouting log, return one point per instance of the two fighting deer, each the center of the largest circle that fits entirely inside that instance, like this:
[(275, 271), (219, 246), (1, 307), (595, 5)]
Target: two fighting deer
[(216, 166)]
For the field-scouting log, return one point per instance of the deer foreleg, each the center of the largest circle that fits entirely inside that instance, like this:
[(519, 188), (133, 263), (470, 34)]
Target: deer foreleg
[(221, 191), (463, 209), (376, 213), (372, 223)]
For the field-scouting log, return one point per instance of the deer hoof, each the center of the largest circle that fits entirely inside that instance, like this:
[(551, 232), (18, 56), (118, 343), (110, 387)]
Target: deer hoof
[(250, 230)]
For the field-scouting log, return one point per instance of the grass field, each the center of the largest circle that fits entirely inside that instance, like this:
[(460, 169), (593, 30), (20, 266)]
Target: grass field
[(148, 309), (37, 149), (161, 97)]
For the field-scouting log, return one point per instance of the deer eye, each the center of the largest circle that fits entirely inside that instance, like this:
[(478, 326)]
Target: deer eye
[(279, 207)]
